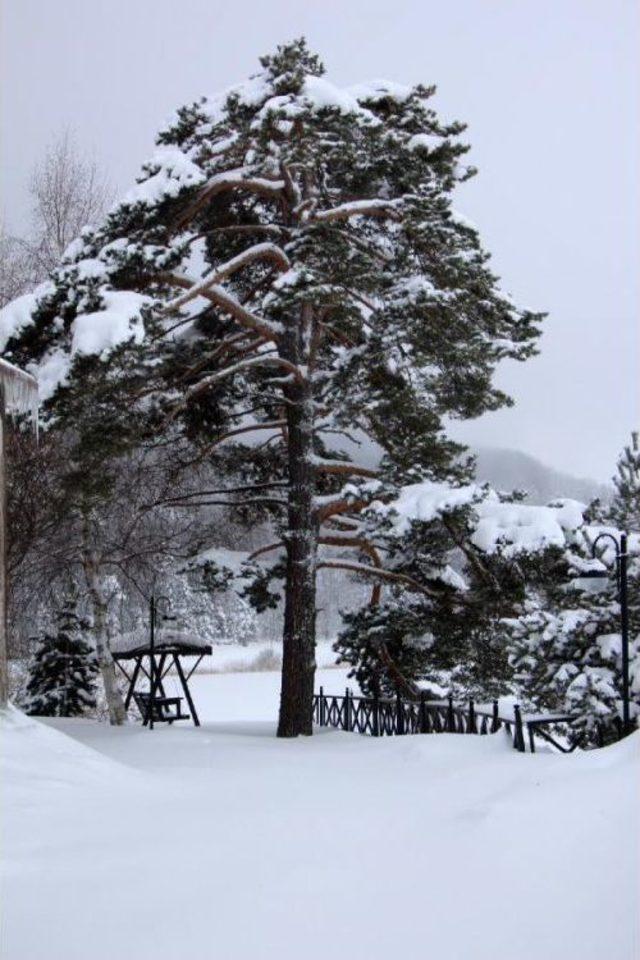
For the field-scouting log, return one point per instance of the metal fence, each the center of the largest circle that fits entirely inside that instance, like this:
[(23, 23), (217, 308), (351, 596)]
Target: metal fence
[(379, 717)]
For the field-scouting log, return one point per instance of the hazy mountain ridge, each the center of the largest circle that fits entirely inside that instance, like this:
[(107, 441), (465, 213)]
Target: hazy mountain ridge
[(508, 469)]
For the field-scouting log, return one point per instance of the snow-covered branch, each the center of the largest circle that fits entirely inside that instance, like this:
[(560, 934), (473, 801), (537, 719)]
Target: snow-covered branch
[(358, 208), (204, 384), (260, 251), (230, 305), (238, 179), (342, 469), (389, 575)]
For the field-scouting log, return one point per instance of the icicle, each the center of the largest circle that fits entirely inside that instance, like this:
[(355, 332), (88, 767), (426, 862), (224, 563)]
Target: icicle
[(20, 392)]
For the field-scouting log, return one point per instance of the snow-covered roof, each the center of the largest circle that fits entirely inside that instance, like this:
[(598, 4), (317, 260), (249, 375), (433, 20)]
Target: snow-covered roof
[(180, 641)]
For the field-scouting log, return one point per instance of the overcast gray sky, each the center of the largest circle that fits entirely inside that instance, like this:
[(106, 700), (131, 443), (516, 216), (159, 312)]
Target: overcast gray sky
[(550, 89)]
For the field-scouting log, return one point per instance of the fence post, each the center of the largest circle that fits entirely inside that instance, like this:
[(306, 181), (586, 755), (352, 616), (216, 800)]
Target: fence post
[(451, 717), (471, 721), (347, 711), (399, 715), (376, 712), (423, 712), (321, 707), (495, 722), (518, 734)]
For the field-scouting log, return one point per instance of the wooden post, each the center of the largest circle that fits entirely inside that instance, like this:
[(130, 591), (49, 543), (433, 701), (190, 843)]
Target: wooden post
[(518, 734), (451, 718), (399, 715), (376, 712), (185, 687), (423, 712), (495, 722), (471, 721)]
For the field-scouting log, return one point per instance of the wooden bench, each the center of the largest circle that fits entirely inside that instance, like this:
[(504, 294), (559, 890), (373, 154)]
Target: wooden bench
[(165, 709)]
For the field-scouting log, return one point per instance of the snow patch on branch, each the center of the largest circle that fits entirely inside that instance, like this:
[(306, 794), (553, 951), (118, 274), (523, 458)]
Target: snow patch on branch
[(375, 91), (509, 528), (18, 314), (101, 331), (171, 171), (425, 141)]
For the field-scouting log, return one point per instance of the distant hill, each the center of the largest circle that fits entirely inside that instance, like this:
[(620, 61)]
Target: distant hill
[(508, 469)]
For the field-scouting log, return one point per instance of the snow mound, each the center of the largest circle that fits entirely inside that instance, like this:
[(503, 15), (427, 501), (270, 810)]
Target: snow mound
[(35, 760)]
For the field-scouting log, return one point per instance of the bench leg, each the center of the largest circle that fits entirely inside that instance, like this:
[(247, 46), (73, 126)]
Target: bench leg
[(185, 687)]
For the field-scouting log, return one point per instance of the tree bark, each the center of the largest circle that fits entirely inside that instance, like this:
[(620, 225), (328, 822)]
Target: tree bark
[(4, 673), (301, 539), (100, 603)]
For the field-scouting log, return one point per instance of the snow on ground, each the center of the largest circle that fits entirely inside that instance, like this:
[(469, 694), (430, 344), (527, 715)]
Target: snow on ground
[(223, 843), (235, 658)]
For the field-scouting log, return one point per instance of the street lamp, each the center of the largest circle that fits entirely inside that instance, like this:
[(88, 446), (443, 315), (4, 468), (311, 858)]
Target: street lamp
[(621, 580), (155, 610)]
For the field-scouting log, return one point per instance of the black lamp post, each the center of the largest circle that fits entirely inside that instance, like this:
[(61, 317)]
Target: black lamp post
[(621, 579), (155, 604)]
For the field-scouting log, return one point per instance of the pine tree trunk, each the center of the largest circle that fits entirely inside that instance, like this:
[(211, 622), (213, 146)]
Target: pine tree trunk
[(299, 637)]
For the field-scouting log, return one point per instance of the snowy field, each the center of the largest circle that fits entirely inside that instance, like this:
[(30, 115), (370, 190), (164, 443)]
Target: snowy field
[(224, 843)]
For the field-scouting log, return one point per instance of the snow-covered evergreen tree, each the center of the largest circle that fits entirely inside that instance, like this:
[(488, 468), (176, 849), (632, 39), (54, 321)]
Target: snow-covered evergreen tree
[(288, 277), (625, 508), (62, 673), (464, 559), (566, 648)]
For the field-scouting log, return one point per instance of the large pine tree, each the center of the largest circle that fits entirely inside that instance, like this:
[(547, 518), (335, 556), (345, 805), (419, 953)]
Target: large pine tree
[(287, 281)]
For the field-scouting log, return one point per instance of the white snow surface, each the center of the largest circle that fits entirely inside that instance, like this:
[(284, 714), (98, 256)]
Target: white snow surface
[(18, 313), (15, 316), (173, 171), (224, 842), (120, 320), (51, 372)]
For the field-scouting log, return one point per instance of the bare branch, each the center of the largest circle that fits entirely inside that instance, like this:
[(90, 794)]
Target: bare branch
[(349, 469), (267, 549), (409, 582)]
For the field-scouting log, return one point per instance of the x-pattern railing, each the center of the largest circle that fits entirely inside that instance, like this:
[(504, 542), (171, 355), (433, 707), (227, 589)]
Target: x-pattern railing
[(379, 716)]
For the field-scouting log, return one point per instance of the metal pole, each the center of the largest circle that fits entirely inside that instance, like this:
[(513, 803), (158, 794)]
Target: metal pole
[(621, 576), (624, 619), (152, 644)]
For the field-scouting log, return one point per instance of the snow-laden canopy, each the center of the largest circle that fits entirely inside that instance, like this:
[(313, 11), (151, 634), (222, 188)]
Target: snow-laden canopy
[(511, 528), (95, 315)]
